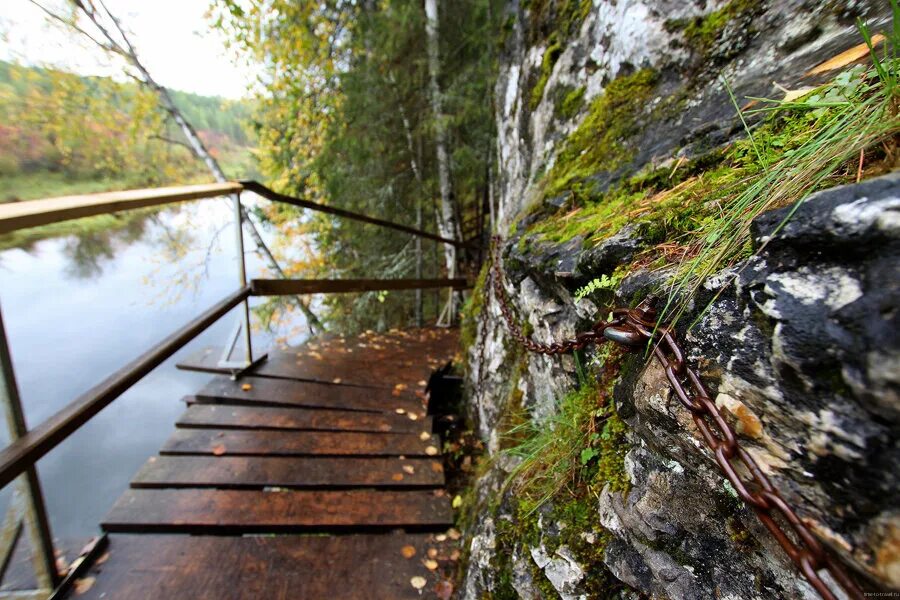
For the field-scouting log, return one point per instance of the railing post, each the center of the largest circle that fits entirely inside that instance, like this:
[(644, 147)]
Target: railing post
[(28, 484), (242, 274)]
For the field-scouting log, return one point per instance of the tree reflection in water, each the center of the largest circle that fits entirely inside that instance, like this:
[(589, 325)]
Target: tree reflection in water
[(90, 249)]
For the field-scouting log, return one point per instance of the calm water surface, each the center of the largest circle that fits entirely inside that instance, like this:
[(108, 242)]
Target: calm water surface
[(76, 309)]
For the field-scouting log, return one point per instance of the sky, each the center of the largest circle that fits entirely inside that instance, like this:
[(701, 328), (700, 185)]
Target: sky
[(173, 39)]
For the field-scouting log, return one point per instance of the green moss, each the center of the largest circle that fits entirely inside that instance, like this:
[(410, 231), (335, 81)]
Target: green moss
[(679, 202), (560, 17), (702, 33), (568, 101), (599, 144), (471, 311), (551, 55)]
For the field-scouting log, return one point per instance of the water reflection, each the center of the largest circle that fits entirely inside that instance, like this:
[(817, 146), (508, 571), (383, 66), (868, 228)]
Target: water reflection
[(78, 308)]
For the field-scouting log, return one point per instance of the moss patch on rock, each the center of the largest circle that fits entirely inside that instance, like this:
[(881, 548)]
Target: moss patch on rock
[(702, 33), (677, 207), (568, 101), (566, 462), (600, 141), (551, 55), (471, 311)]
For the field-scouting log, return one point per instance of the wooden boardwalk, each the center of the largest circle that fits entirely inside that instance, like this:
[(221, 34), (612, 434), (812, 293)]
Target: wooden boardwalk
[(332, 440)]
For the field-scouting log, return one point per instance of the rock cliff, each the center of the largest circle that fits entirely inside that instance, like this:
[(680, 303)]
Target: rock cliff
[(798, 339)]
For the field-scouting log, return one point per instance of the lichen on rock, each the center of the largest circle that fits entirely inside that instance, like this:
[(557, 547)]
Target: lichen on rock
[(797, 339)]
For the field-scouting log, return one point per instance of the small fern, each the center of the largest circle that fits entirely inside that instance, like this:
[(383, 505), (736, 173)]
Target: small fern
[(604, 282)]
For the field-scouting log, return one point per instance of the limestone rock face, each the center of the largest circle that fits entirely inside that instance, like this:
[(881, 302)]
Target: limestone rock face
[(800, 347), (801, 350)]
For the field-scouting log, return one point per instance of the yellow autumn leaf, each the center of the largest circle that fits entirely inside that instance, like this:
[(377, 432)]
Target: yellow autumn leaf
[(84, 584), (418, 582), (791, 95), (847, 57), (408, 551)]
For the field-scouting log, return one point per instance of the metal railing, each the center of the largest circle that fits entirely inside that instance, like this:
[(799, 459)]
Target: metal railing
[(27, 446)]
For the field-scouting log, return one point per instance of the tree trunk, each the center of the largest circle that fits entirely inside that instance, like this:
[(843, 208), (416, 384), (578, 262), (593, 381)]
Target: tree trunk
[(121, 45), (447, 222), (414, 165), (212, 164)]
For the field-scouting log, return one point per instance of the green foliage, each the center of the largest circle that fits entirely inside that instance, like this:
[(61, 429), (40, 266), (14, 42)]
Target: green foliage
[(582, 444), (61, 132), (604, 282), (346, 120), (566, 461)]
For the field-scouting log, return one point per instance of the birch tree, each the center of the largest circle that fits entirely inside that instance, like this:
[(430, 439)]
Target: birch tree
[(111, 36), (447, 222)]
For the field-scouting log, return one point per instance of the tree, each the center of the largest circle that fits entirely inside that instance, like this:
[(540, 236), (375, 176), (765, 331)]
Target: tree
[(346, 118), (447, 223), (109, 34)]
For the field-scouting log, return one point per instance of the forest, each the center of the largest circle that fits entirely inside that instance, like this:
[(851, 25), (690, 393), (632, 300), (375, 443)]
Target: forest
[(381, 108), (62, 133)]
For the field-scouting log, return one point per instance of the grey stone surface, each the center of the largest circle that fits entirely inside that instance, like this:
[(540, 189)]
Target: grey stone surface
[(801, 351)]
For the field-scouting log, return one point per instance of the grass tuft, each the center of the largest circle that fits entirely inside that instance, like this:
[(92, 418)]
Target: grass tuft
[(832, 126)]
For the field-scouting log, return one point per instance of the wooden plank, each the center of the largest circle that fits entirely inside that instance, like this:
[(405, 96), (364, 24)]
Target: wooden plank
[(406, 357), (285, 392), (289, 472), (26, 450), (20, 215), (288, 287), (253, 511), (299, 443), (300, 419), (352, 567)]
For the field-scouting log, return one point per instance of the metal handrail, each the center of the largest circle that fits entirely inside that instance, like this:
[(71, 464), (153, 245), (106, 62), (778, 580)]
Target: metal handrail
[(26, 450), (32, 213), (290, 287), (29, 446), (258, 188)]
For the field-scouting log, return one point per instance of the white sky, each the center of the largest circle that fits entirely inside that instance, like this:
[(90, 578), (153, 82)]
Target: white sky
[(173, 39)]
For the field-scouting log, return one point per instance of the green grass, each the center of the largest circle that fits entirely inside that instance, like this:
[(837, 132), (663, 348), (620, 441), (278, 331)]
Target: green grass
[(807, 145), (45, 184), (581, 445)]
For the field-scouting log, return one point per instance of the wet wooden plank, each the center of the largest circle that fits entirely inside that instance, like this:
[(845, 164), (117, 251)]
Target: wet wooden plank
[(353, 567), (285, 392), (302, 419), (253, 511), (290, 472), (372, 359), (300, 443)]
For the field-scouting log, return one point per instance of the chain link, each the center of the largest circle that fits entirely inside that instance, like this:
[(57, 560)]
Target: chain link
[(637, 327)]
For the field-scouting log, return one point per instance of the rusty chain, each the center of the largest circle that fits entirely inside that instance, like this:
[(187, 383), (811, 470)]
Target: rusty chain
[(637, 327)]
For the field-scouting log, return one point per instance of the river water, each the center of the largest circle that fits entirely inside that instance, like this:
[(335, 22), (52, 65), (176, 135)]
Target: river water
[(78, 308)]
